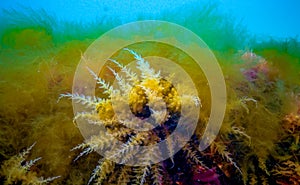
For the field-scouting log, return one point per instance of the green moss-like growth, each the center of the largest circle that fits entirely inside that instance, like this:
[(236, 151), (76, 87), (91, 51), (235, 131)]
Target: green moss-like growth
[(27, 38)]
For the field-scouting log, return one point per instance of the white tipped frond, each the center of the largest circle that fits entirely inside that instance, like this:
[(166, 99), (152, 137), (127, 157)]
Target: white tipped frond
[(197, 101), (192, 98), (47, 180), (106, 86), (192, 154), (93, 119), (86, 115), (30, 163), (81, 98), (131, 76), (170, 147), (95, 122), (222, 150), (129, 123), (241, 131), (27, 151), (143, 66), (127, 150), (243, 102), (125, 87), (19, 170), (91, 145), (145, 172), (84, 152), (157, 175), (102, 171), (227, 156), (96, 171), (136, 56)]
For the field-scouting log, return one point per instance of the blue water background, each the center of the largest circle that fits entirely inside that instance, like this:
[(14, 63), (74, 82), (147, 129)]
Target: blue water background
[(263, 18)]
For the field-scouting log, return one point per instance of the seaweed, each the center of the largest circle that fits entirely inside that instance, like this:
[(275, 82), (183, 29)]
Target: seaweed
[(257, 144), (148, 87), (17, 170)]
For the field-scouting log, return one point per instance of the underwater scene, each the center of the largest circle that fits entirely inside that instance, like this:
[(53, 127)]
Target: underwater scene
[(159, 92)]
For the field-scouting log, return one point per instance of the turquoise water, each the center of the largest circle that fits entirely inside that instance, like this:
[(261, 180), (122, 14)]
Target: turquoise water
[(266, 18)]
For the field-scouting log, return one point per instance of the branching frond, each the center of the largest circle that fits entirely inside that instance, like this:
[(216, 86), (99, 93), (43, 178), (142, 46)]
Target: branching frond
[(42, 180), (124, 177), (143, 66), (102, 170), (93, 144), (140, 174), (145, 171), (104, 85), (170, 146), (226, 155), (243, 102), (17, 170), (125, 87), (131, 76), (24, 154), (81, 98), (192, 154), (86, 116), (160, 116), (127, 149), (93, 119), (157, 175), (96, 171), (30, 163), (240, 131)]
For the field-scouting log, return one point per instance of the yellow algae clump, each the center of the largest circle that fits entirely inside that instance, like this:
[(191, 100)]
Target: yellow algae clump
[(105, 110), (137, 100), (170, 95), (140, 95), (143, 99)]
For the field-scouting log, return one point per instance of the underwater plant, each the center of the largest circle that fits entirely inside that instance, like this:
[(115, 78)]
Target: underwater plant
[(257, 106), (287, 169), (257, 144), (17, 170), (143, 92)]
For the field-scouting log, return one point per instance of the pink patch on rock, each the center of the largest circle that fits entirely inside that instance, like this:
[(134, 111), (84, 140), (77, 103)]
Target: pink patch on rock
[(209, 176)]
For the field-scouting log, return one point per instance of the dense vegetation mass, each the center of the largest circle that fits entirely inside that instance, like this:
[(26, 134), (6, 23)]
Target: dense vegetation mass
[(257, 144)]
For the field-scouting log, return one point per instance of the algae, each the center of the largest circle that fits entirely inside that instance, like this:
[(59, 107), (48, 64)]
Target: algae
[(257, 144)]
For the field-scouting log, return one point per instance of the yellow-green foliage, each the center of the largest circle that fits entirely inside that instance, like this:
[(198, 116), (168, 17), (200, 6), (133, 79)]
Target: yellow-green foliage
[(149, 88), (17, 170), (287, 170), (255, 110), (38, 57), (35, 38), (164, 89), (279, 53), (32, 77)]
